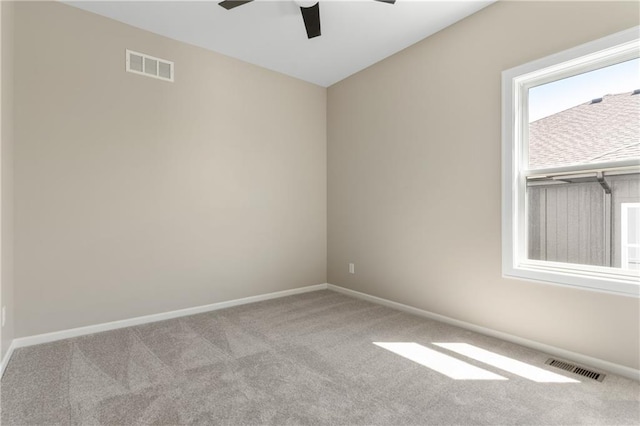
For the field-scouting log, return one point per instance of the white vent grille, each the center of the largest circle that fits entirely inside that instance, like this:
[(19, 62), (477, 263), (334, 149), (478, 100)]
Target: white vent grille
[(150, 66)]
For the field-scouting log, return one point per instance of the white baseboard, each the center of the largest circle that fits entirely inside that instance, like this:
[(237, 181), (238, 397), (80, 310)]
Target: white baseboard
[(618, 369), (6, 358), (97, 328)]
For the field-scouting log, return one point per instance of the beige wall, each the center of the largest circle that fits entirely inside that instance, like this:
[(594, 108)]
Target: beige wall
[(414, 180), (136, 196), (6, 179)]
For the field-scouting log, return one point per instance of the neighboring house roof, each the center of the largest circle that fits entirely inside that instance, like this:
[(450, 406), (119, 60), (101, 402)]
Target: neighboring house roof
[(595, 131)]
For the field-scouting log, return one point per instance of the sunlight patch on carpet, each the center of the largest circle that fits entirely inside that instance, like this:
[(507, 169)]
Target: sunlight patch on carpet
[(444, 364), (502, 362)]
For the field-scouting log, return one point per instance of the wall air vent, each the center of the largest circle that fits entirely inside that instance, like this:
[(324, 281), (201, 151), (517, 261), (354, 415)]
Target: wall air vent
[(150, 66), (576, 369)]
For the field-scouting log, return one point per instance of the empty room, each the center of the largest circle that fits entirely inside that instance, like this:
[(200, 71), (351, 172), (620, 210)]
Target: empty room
[(367, 212)]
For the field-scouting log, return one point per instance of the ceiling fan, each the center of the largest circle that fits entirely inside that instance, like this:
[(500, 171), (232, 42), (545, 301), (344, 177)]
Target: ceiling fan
[(310, 10)]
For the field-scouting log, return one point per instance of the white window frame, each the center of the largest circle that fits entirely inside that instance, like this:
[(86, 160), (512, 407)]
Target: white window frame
[(624, 241), (516, 82)]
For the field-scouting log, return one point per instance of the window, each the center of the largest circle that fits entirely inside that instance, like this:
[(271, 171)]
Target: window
[(630, 241), (571, 167)]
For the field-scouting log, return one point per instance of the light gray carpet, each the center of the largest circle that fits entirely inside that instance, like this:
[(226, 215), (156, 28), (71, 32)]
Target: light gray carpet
[(306, 359)]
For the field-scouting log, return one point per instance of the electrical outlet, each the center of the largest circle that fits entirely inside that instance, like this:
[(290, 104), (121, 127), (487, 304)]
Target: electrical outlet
[(4, 316), (352, 268)]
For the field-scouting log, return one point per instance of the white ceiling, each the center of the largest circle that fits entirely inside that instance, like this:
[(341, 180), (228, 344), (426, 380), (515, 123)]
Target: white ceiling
[(271, 34)]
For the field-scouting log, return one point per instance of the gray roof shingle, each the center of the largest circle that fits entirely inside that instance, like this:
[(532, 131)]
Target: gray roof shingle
[(589, 132)]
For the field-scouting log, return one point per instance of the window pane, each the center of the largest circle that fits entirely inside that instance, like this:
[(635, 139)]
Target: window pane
[(576, 220), (586, 119), (633, 258), (633, 225)]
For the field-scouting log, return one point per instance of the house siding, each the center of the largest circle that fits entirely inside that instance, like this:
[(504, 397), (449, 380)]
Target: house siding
[(569, 222)]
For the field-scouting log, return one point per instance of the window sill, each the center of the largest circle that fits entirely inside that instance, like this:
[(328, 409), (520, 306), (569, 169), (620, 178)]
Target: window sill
[(568, 275)]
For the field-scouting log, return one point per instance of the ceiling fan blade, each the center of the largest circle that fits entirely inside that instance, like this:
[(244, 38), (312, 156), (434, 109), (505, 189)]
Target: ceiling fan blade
[(230, 4), (387, 1), (311, 17)]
